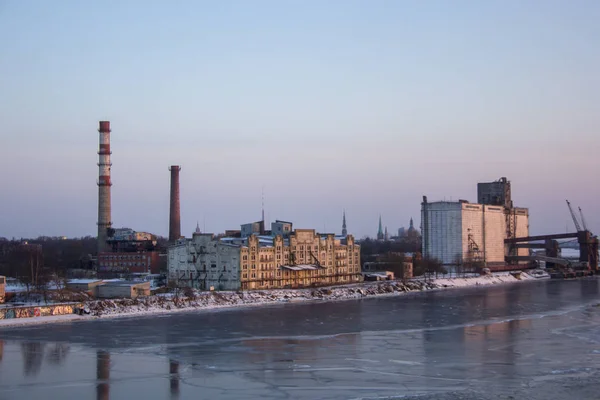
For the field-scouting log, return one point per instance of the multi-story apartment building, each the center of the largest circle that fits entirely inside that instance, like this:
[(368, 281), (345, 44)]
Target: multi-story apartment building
[(304, 259)]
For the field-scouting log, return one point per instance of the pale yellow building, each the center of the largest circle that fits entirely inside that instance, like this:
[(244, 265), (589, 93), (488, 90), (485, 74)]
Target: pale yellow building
[(308, 259)]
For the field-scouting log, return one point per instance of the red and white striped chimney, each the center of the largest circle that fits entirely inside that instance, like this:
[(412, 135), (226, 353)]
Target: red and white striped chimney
[(104, 184)]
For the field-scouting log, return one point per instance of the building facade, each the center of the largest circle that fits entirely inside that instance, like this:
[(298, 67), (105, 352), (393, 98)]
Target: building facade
[(461, 231), (115, 264), (2, 288), (204, 262), (304, 259)]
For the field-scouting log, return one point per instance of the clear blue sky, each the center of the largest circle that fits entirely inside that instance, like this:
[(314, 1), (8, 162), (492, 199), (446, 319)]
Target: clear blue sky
[(362, 105)]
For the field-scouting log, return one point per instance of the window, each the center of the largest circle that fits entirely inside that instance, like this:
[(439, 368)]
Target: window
[(213, 265)]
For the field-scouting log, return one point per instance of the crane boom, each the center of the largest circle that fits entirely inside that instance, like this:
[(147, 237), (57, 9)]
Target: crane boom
[(583, 220), (577, 226)]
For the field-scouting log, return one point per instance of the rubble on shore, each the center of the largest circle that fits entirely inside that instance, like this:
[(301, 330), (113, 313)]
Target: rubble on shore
[(199, 300)]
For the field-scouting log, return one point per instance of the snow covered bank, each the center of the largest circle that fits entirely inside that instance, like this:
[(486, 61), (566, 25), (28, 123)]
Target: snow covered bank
[(212, 300), (168, 303)]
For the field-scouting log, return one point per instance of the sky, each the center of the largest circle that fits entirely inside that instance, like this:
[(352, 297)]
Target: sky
[(363, 106)]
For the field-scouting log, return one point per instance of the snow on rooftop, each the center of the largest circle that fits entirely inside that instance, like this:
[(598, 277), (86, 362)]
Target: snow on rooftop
[(124, 283), (83, 281)]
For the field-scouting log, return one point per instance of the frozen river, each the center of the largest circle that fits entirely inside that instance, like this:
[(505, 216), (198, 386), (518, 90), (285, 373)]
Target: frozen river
[(531, 340)]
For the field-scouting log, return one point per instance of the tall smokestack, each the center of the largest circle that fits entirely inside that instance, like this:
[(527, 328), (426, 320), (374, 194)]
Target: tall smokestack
[(104, 184), (175, 213)]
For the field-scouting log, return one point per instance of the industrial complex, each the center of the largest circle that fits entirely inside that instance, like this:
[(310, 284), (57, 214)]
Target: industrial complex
[(490, 234), (494, 234), (459, 231)]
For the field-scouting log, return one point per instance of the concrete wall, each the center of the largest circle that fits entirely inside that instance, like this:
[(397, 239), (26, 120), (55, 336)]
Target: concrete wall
[(203, 262), (442, 230), (41, 311), (250, 228), (129, 291), (281, 228)]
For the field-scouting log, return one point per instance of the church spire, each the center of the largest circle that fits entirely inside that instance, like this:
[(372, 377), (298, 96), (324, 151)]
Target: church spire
[(380, 231), (344, 230)]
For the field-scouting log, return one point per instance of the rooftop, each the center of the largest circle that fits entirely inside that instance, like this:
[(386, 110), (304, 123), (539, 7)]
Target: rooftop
[(124, 283), (83, 281)]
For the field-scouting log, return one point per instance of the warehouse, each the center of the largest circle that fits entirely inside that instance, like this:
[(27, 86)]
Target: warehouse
[(84, 285), (123, 289)]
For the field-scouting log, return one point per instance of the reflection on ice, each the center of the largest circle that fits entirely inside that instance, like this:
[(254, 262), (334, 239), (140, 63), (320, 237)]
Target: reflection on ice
[(490, 340)]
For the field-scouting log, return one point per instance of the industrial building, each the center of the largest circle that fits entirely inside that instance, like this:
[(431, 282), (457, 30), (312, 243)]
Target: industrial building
[(84, 285), (128, 252), (457, 232), (303, 258), (117, 264), (2, 288), (122, 290)]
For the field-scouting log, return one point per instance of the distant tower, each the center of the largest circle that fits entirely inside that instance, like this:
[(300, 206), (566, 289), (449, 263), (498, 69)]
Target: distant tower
[(412, 232), (380, 231), (175, 210), (344, 230), (385, 235), (104, 184)]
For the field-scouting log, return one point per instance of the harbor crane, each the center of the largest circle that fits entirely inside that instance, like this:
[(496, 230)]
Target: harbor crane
[(582, 220), (577, 226)]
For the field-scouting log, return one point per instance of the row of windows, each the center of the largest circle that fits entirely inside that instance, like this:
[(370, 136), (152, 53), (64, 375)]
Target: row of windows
[(124, 257), (123, 264), (287, 274)]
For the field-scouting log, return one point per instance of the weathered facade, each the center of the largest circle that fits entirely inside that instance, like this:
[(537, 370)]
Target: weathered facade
[(204, 262), (302, 260), (115, 264)]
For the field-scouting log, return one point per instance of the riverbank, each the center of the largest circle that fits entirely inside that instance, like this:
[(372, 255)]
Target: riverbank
[(199, 300)]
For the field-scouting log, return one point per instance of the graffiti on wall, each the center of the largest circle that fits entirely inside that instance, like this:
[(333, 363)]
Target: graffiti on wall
[(42, 311)]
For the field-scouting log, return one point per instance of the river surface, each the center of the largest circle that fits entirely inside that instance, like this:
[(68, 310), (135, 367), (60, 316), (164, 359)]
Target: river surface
[(530, 340)]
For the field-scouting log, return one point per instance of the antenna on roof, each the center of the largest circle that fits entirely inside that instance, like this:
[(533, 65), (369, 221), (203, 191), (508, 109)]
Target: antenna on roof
[(263, 204)]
